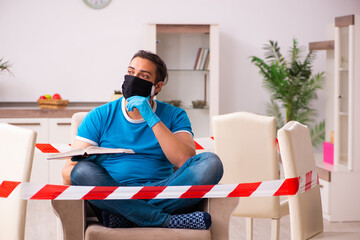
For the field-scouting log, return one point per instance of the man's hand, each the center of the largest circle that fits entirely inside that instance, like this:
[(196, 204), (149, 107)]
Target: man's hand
[(143, 105)]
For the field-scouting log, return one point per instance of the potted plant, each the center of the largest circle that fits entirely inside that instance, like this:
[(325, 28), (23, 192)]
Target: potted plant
[(292, 87), (4, 66)]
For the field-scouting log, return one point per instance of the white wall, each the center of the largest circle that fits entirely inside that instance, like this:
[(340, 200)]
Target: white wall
[(66, 47)]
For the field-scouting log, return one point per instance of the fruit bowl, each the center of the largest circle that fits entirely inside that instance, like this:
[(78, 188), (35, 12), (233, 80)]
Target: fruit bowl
[(52, 103)]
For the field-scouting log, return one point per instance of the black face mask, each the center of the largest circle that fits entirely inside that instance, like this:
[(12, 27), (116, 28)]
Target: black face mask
[(134, 86)]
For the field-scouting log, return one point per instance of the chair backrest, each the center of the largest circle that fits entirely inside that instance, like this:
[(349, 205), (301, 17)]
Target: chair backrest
[(298, 158), (16, 155), (75, 122), (246, 144)]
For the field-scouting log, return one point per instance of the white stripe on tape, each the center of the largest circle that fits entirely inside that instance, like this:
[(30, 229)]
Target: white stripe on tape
[(62, 147), (172, 192), (206, 143), (267, 188), (124, 193), (25, 190), (220, 191), (74, 192)]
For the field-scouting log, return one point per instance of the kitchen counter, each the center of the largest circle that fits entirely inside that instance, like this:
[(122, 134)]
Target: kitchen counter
[(32, 110)]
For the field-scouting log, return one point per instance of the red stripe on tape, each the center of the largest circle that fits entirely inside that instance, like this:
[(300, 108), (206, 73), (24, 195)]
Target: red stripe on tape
[(244, 189), (46, 148), (197, 191), (99, 192), (317, 179), (7, 187), (49, 192), (148, 192), (277, 144), (308, 181), (212, 138), (289, 187), (198, 146)]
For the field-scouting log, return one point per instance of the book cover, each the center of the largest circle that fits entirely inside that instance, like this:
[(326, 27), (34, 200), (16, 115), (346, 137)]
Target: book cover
[(198, 67), (88, 151), (206, 54), (207, 62), (197, 58)]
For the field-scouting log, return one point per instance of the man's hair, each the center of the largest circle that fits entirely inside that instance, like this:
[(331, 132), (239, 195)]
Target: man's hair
[(161, 69)]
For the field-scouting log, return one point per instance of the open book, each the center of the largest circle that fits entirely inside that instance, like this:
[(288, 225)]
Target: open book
[(88, 151)]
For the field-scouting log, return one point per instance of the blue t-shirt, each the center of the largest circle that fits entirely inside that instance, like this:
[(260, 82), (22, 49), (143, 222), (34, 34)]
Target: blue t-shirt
[(109, 126)]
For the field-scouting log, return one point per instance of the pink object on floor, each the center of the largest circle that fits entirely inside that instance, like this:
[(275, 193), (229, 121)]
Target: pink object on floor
[(328, 151)]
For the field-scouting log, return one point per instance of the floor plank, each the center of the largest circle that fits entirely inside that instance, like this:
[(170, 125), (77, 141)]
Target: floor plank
[(262, 228)]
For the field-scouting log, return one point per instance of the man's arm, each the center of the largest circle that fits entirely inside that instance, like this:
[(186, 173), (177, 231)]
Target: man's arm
[(178, 147), (70, 164)]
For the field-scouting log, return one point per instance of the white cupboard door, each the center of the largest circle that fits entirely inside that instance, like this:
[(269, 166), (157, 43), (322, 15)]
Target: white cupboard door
[(39, 125), (59, 130)]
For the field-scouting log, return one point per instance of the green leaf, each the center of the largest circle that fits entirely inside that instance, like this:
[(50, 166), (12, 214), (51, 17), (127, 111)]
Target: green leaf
[(4, 66), (273, 52), (317, 134), (274, 110)]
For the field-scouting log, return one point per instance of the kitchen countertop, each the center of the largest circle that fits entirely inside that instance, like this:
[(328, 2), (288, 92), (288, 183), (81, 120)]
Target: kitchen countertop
[(32, 110)]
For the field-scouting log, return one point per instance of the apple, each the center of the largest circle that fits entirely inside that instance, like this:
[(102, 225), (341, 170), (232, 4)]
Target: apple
[(48, 96), (42, 97), (56, 96)]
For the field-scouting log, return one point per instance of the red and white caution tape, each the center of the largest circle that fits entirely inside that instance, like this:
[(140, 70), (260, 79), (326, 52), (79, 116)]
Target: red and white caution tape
[(52, 148), (33, 191), (202, 144), (281, 187)]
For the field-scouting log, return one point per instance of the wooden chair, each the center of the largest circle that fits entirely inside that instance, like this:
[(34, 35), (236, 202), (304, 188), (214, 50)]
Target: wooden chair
[(16, 156), (306, 220), (78, 221), (246, 144)]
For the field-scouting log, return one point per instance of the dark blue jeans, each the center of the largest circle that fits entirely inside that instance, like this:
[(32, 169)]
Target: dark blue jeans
[(202, 169)]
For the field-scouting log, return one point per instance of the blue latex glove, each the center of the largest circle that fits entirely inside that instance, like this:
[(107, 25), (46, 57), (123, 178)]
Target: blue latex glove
[(143, 105), (97, 158)]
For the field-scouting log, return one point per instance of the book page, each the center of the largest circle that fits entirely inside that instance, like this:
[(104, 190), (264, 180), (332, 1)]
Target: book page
[(88, 151), (100, 150)]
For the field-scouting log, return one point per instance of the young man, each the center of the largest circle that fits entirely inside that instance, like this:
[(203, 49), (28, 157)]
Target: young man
[(161, 137)]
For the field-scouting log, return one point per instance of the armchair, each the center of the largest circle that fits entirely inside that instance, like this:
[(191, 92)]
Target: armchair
[(78, 221)]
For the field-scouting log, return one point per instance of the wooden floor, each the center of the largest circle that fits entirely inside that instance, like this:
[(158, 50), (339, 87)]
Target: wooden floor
[(262, 228), (41, 224)]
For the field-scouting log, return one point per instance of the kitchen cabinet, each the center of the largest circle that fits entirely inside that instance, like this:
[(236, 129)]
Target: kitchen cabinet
[(39, 125)]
